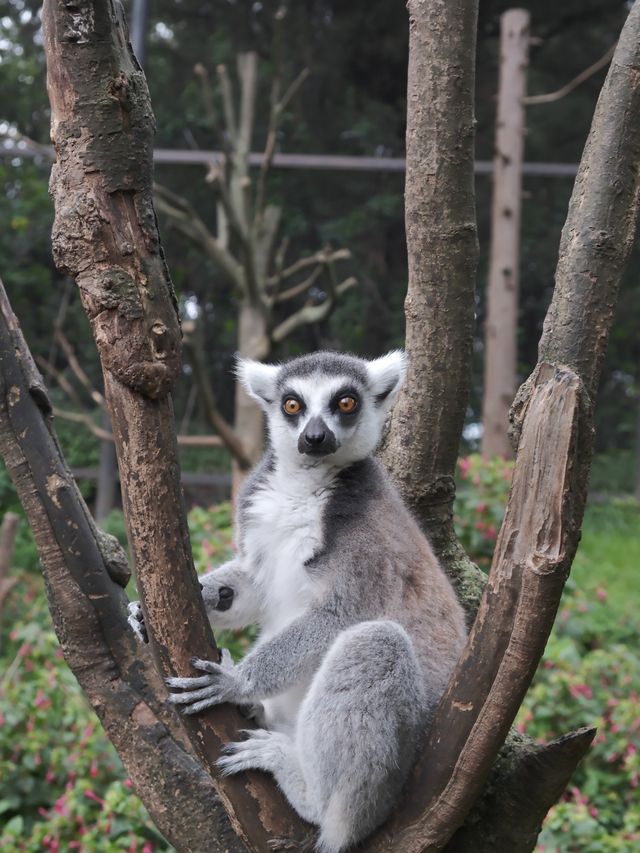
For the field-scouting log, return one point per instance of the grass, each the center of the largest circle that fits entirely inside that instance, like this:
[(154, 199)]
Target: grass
[(608, 558)]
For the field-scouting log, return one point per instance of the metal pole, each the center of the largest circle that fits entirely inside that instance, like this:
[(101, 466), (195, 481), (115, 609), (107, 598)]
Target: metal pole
[(138, 29)]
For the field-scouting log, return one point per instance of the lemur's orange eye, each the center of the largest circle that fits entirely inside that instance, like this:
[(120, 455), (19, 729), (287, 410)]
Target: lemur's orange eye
[(347, 404), (291, 406)]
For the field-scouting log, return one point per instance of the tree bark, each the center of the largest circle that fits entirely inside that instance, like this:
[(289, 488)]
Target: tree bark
[(532, 561), (105, 235), (501, 325), (422, 443), (89, 613)]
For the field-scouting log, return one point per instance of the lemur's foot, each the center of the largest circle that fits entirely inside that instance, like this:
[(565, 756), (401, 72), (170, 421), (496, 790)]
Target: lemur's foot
[(280, 845), (136, 621), (260, 750)]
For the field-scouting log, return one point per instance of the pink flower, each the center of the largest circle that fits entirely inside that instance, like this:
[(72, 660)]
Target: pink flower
[(128, 783), (25, 649), (479, 525), (93, 769), (481, 507), (148, 847), (491, 532), (42, 700), (464, 464), (578, 690), (91, 795), (60, 806), (50, 776)]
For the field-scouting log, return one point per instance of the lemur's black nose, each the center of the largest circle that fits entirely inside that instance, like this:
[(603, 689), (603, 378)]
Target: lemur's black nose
[(317, 438)]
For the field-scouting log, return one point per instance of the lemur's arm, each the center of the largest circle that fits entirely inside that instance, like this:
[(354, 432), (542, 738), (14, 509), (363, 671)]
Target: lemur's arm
[(229, 596), (268, 670)]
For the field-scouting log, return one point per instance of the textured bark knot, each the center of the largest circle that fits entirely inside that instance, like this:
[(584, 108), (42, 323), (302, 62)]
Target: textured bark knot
[(79, 27)]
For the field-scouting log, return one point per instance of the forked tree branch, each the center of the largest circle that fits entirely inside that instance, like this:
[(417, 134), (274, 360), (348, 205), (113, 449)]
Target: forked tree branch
[(89, 612)]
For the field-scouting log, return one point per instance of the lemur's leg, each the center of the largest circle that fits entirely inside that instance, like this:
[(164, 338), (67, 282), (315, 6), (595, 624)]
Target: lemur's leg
[(276, 753), (358, 731), (230, 597), (356, 737)]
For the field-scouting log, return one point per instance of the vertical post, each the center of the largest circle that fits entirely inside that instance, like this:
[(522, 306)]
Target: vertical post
[(138, 29), (502, 290)]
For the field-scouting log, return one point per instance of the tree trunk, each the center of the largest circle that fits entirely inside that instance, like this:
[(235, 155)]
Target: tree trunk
[(105, 235), (501, 326)]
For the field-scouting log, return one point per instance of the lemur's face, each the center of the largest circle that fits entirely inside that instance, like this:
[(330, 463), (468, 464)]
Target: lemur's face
[(325, 407)]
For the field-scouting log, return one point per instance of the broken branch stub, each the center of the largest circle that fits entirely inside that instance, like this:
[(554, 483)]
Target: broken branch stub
[(530, 565)]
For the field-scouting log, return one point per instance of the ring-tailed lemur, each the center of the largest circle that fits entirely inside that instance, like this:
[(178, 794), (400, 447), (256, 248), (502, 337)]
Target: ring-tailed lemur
[(360, 628)]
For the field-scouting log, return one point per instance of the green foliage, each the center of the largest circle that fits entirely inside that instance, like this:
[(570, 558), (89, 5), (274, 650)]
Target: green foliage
[(480, 502), (590, 675), (62, 786), (212, 543)]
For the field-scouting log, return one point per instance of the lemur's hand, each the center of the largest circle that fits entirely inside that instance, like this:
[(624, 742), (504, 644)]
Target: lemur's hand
[(136, 621), (216, 595), (222, 683)]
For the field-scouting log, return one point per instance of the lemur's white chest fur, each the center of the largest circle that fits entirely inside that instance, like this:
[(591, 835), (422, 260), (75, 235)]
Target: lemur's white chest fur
[(283, 530)]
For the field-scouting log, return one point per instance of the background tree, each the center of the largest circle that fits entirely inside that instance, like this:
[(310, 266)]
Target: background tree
[(246, 248)]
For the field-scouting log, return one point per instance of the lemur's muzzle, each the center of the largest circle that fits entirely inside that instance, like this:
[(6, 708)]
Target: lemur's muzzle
[(317, 439)]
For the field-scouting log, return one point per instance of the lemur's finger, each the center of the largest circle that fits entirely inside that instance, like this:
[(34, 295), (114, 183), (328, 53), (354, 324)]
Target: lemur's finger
[(200, 706), (206, 665), (188, 683), (193, 695)]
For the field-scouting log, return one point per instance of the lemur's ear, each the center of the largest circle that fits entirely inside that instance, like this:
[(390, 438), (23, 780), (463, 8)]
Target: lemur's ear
[(258, 380), (386, 375)]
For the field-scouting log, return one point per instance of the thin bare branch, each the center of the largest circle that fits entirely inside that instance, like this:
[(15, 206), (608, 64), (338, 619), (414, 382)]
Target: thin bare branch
[(184, 217), (311, 313), (77, 368), (226, 433), (104, 435), (226, 90), (207, 93), (531, 100), (61, 380), (297, 289), (319, 257)]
